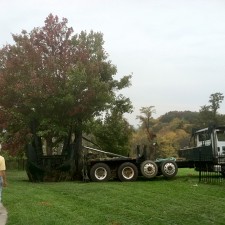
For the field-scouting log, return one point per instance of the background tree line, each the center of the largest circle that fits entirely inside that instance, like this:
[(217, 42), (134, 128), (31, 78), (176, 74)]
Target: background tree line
[(172, 130)]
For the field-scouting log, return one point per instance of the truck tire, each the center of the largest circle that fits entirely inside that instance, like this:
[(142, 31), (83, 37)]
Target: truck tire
[(169, 168), (149, 169), (100, 172), (127, 172)]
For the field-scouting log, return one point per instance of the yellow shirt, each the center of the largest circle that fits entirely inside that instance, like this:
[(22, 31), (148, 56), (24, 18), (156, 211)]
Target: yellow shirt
[(2, 163)]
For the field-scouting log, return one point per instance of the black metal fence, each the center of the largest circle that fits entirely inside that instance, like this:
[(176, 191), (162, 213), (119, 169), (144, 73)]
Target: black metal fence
[(211, 172)]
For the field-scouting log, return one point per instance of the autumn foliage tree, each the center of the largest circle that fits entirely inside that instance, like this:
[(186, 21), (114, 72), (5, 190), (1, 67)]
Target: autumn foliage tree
[(52, 82), (147, 121), (34, 73), (208, 114)]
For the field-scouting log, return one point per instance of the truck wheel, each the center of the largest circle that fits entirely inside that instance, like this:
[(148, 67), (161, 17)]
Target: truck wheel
[(169, 169), (149, 169), (100, 172), (127, 172)]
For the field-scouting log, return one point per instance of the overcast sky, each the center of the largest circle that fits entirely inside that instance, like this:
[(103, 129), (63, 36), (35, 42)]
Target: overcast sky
[(175, 49)]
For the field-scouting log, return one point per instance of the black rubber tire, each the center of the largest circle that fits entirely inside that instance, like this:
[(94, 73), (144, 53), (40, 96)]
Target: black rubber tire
[(169, 168), (127, 172), (100, 172), (149, 169)]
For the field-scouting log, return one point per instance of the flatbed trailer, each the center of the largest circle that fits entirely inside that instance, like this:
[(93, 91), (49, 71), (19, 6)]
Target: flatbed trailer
[(127, 168)]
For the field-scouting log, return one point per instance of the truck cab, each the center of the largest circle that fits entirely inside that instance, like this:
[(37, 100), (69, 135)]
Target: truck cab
[(207, 149), (211, 137)]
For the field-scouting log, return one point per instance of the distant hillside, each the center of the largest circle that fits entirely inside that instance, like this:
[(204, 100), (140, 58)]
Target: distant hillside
[(188, 116)]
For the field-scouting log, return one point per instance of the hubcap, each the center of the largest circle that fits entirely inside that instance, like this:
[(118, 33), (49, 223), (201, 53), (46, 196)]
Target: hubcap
[(169, 168), (100, 173), (149, 169), (127, 172)]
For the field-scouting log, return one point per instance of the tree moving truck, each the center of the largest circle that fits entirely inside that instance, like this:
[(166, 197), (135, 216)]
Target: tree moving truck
[(96, 165), (206, 152), (126, 168)]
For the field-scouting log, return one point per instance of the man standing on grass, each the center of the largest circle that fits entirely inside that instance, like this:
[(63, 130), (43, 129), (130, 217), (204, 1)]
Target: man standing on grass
[(2, 176)]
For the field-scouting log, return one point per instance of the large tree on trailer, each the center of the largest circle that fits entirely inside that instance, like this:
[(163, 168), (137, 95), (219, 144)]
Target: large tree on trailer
[(51, 83)]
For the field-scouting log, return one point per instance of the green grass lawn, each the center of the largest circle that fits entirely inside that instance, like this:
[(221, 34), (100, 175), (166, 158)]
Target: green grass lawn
[(181, 200)]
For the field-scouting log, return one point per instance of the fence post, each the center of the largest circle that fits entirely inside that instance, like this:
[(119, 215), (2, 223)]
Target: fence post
[(200, 165)]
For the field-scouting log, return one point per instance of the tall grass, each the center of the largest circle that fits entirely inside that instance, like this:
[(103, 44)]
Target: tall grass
[(179, 201)]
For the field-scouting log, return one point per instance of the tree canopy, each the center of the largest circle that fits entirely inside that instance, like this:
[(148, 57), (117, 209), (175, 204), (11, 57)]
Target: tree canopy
[(55, 78), (208, 114)]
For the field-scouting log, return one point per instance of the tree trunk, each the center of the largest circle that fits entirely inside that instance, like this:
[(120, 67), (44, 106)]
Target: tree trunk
[(76, 155), (49, 145)]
